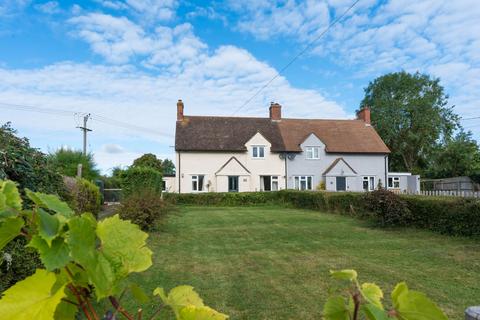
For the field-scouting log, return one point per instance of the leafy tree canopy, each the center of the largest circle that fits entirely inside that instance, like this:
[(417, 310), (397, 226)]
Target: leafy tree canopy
[(66, 162), (150, 160), (411, 114)]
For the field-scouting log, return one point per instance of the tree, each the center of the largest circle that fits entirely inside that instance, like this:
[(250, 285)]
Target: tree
[(26, 165), (66, 162), (410, 113), (168, 167), (459, 156), (148, 160)]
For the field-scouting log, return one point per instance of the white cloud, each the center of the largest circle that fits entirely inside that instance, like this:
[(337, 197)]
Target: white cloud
[(150, 11), (118, 40), (113, 148), (50, 7), (12, 7)]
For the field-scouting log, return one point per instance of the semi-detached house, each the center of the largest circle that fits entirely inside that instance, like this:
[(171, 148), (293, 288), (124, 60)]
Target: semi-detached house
[(239, 154)]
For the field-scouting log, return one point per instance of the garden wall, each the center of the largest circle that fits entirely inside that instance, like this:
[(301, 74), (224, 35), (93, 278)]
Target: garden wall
[(453, 216)]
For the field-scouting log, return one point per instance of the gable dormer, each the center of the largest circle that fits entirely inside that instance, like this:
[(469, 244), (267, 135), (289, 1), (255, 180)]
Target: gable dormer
[(312, 147)]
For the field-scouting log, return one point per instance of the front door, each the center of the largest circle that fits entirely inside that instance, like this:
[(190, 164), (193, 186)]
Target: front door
[(233, 184), (341, 184)]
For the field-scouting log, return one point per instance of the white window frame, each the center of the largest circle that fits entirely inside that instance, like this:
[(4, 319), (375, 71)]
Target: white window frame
[(308, 180), (196, 179), (256, 150), (312, 153), (274, 179), (395, 182), (370, 183)]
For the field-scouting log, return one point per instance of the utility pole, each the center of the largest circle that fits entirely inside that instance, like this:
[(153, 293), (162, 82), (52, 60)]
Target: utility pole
[(85, 130)]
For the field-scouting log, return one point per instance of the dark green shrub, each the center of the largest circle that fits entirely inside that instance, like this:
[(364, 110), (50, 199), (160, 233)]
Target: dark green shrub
[(387, 208), (223, 199), (16, 263), (141, 179), (84, 196), (143, 209), (66, 161)]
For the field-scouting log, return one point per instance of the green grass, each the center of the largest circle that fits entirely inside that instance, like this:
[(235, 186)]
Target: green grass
[(273, 263)]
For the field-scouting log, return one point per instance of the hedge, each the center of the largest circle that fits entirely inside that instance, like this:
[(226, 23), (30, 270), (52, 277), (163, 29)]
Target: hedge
[(452, 216), (140, 179)]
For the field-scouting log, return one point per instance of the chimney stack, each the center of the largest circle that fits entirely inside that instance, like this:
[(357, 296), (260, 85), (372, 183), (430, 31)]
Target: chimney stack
[(180, 108), (364, 114), (275, 111)]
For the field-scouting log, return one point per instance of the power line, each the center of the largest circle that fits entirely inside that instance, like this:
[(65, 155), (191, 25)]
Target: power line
[(297, 56), (472, 118), (77, 115)]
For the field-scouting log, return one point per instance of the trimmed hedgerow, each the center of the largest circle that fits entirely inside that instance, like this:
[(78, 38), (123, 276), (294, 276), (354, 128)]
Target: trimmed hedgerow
[(452, 216), (140, 179)]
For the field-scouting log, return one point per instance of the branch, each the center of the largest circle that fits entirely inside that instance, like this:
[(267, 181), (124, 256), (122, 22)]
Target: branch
[(119, 308), (80, 301)]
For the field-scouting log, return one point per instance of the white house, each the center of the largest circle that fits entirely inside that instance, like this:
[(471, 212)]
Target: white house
[(238, 154)]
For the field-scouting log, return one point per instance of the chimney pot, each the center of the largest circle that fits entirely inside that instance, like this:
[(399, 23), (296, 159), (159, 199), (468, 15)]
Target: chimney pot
[(180, 108), (275, 111), (364, 114)]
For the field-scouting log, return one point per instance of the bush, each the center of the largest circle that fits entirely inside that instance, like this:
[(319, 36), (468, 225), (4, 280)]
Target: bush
[(140, 180), (223, 199), (66, 162), (16, 263), (84, 196), (143, 209), (387, 208)]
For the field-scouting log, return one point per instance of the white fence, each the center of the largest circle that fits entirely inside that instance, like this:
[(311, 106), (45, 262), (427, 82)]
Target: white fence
[(440, 193)]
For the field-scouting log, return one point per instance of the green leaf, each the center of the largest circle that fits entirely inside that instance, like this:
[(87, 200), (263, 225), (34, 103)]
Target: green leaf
[(12, 196), (180, 297), (9, 229), (48, 226), (414, 305), (32, 298), (3, 202), (50, 202), (346, 274), (372, 312), (200, 313), (53, 256), (66, 311), (81, 240), (124, 245), (373, 294), (336, 309), (139, 294)]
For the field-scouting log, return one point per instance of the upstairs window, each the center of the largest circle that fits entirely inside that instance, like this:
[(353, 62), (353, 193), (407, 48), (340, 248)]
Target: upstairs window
[(258, 152), (312, 152), (197, 182)]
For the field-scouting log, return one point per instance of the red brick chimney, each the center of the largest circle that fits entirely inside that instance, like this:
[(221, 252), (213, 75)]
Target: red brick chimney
[(180, 108), (364, 114), (275, 111)]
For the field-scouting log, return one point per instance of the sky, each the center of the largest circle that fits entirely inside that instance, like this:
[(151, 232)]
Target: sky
[(127, 62)]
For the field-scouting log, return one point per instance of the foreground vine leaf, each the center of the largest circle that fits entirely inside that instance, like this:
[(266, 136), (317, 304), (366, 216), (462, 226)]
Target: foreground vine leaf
[(48, 226), (32, 298), (51, 202), (11, 196), (414, 305), (373, 312), (180, 297), (347, 274), (336, 309), (9, 229), (373, 293), (53, 256), (124, 245), (200, 313)]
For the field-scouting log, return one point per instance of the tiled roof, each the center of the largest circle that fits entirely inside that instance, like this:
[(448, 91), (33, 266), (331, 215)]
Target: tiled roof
[(196, 133)]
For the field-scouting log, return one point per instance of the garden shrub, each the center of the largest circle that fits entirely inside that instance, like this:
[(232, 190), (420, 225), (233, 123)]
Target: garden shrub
[(84, 195), (141, 179), (387, 208), (143, 209), (16, 263)]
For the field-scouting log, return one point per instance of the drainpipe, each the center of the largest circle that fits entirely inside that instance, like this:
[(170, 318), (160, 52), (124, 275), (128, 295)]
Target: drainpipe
[(179, 173), (286, 172), (386, 171)]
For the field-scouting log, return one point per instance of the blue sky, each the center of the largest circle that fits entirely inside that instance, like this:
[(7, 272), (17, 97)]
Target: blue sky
[(129, 61)]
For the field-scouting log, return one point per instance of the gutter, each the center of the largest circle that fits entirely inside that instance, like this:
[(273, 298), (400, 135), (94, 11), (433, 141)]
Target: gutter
[(385, 159), (179, 172)]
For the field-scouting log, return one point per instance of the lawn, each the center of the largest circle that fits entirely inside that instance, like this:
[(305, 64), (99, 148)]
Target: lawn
[(273, 263)]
